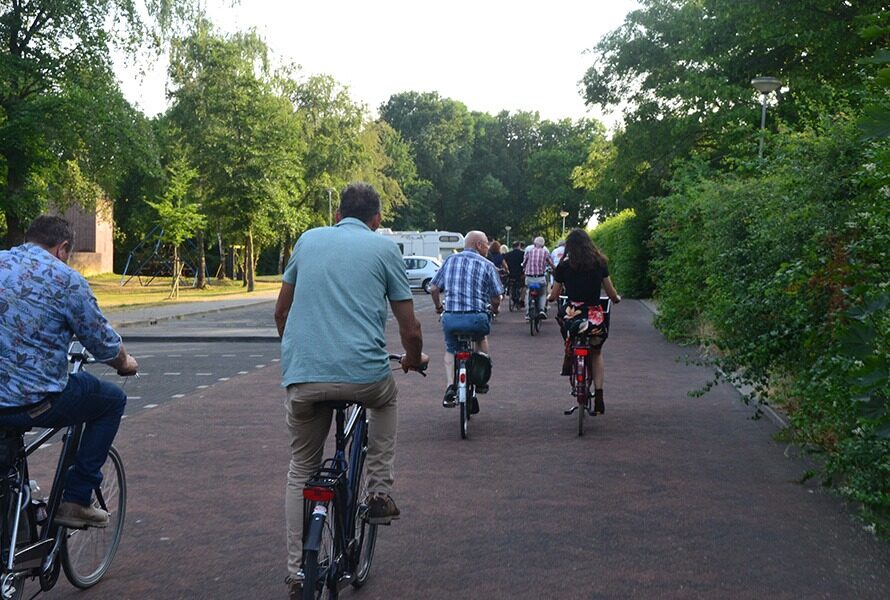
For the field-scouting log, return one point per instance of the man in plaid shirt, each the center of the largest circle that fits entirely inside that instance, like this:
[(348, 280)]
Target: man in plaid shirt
[(471, 282), (535, 262)]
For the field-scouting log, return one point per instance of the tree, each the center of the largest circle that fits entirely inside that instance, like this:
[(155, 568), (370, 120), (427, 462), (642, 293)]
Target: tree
[(178, 217), (440, 132), (59, 102), (242, 132)]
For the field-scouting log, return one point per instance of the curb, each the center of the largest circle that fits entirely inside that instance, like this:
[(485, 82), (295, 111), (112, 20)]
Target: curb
[(154, 320)]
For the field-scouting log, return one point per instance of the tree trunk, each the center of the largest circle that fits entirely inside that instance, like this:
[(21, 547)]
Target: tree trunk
[(221, 272), (250, 263), (15, 186), (201, 280), (177, 269)]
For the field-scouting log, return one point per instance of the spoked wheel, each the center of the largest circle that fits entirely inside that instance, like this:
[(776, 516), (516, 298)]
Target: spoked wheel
[(365, 533), (87, 553), (317, 564), (532, 320)]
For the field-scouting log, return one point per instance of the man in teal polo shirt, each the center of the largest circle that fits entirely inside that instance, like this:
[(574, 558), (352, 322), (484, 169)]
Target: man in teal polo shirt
[(331, 315)]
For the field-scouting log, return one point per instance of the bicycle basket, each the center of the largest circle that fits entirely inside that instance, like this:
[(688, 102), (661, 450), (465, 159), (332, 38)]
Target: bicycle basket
[(479, 368)]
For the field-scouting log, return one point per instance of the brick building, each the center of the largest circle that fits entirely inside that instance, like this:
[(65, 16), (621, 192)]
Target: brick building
[(93, 238)]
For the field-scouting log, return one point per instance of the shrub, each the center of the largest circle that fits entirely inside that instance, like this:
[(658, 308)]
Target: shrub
[(622, 239)]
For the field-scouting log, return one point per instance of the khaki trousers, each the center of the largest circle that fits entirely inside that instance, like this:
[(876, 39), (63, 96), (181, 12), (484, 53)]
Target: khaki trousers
[(309, 425)]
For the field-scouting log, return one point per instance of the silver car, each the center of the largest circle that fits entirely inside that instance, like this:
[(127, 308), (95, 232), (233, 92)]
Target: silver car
[(421, 270)]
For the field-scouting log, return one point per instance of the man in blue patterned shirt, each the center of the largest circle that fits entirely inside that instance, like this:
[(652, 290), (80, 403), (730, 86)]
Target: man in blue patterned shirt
[(43, 303), (470, 282)]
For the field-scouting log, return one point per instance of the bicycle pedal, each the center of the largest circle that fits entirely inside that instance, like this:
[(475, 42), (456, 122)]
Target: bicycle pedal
[(570, 411)]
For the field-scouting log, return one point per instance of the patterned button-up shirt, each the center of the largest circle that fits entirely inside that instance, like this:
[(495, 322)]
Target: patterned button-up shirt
[(469, 281), (535, 261), (43, 303)]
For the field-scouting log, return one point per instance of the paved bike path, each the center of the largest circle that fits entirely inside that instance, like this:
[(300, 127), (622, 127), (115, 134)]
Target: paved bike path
[(666, 496)]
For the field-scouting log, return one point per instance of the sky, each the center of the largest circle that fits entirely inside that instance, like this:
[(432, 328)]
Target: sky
[(492, 55)]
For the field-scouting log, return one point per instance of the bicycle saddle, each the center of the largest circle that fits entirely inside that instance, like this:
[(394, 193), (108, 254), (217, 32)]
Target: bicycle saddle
[(338, 404)]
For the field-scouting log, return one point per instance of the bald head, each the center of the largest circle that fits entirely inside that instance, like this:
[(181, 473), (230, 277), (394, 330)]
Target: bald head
[(473, 238)]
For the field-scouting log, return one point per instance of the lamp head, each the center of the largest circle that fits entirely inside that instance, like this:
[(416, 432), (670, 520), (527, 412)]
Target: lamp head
[(765, 85)]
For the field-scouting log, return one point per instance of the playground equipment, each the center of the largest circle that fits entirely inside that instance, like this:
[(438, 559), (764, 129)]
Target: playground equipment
[(152, 258)]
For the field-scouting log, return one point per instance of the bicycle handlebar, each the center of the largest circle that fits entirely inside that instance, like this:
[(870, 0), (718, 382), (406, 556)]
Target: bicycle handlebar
[(398, 358)]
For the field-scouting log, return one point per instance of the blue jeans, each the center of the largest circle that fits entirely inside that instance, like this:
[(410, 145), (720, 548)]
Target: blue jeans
[(477, 322), (89, 400)]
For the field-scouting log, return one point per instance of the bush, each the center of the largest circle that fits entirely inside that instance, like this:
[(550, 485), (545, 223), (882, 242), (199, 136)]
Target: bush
[(622, 238), (781, 269)]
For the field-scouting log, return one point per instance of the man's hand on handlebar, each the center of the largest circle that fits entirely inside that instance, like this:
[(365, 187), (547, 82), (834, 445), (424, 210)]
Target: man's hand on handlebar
[(130, 367), (408, 365)]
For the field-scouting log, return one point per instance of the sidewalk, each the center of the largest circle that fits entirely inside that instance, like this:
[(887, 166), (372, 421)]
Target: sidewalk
[(150, 315), (665, 496)]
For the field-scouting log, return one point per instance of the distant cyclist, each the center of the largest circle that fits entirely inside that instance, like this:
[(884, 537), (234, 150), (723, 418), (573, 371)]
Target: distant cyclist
[(516, 277), (583, 272), (534, 264), (331, 317), (43, 303), (470, 283)]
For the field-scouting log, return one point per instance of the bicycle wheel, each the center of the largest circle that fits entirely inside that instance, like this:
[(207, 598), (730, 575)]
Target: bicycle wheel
[(582, 391), (317, 564), (87, 553), (532, 318), (537, 324), (365, 533)]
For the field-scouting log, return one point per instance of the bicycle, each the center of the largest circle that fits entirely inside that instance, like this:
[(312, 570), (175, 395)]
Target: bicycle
[(582, 368), (338, 540), (32, 544), (514, 292), (465, 393), (535, 316)]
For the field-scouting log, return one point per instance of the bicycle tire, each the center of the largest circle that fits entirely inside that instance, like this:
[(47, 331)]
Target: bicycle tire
[(87, 553), (531, 323), (365, 532), (317, 562), (537, 324)]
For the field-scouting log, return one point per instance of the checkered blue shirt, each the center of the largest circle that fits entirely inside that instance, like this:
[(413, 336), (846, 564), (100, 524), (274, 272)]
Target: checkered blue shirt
[(469, 281)]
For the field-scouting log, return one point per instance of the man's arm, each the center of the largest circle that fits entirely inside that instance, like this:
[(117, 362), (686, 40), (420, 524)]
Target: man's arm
[(123, 363), (409, 330), (437, 299), (282, 306), (555, 291)]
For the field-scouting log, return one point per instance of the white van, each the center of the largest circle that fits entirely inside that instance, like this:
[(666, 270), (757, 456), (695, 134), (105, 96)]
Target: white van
[(425, 243)]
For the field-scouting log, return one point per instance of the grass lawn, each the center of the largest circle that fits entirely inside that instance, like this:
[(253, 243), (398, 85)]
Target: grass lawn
[(110, 294)]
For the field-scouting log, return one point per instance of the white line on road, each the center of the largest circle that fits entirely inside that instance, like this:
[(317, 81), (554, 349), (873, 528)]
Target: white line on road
[(227, 355), (150, 406), (172, 373), (201, 387), (174, 356), (242, 372), (201, 355), (223, 379), (276, 360), (260, 366), (145, 356), (134, 397), (178, 396), (255, 355), (203, 374)]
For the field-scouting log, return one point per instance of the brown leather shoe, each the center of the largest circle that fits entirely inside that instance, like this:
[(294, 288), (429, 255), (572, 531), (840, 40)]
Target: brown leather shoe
[(77, 516), (381, 509)]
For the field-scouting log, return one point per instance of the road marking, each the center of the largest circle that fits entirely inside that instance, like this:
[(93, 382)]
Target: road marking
[(174, 356), (227, 355), (165, 539), (255, 355), (134, 397), (260, 366), (145, 356), (203, 374), (242, 372), (172, 373), (223, 379), (201, 387), (276, 360), (178, 396), (201, 355), (150, 406)]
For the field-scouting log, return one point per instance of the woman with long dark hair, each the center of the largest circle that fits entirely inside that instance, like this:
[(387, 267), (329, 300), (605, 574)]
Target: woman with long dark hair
[(583, 273)]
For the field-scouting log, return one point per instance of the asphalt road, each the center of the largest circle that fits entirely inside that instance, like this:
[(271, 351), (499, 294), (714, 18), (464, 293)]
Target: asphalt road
[(666, 496)]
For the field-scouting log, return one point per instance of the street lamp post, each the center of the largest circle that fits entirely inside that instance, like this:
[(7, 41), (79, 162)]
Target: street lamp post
[(764, 85), (330, 208), (563, 214), (508, 228)]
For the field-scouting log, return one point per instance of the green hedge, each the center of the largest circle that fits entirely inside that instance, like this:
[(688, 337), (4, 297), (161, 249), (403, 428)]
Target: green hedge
[(782, 270), (622, 238)]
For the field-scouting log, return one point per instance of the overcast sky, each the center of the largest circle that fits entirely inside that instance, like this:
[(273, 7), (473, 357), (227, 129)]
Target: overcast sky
[(492, 55)]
